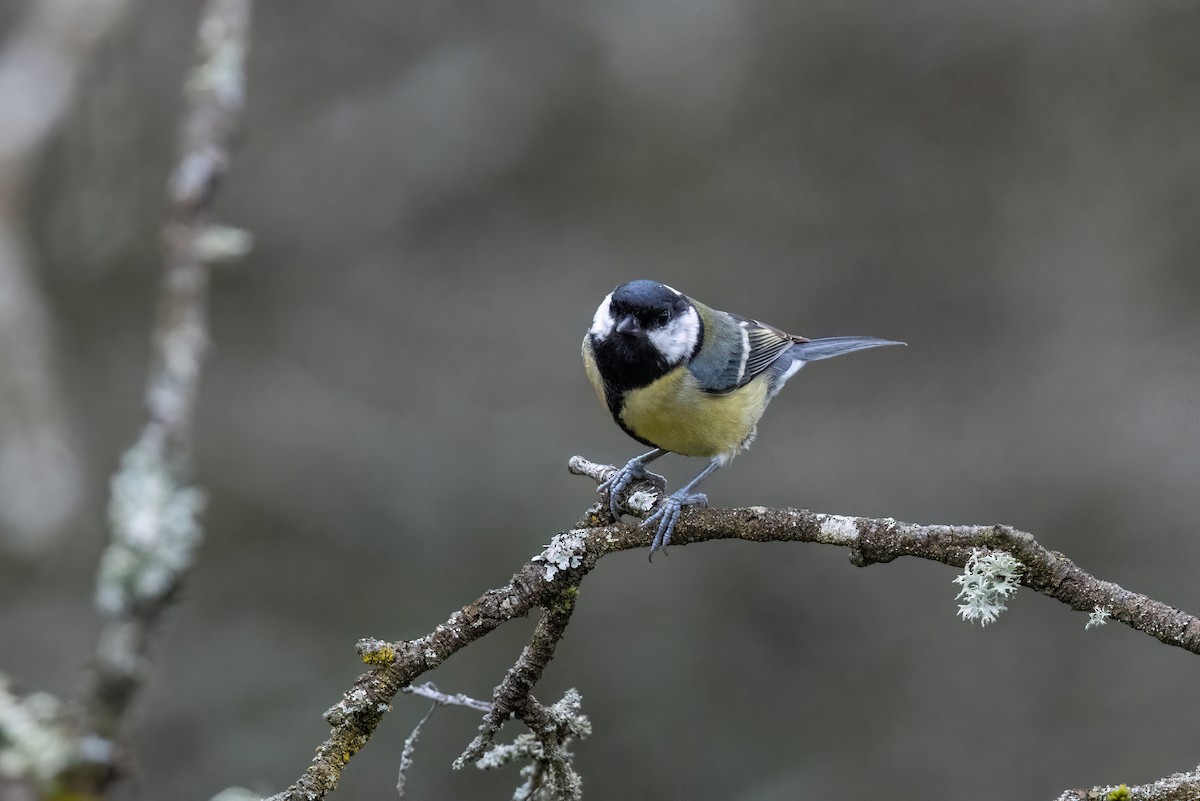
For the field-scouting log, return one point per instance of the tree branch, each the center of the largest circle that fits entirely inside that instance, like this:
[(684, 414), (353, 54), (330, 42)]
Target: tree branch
[(1176, 787), (554, 576), (428, 690), (153, 508), (512, 696)]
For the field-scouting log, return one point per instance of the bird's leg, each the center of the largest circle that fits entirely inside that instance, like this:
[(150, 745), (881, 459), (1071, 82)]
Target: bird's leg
[(634, 470), (667, 514)]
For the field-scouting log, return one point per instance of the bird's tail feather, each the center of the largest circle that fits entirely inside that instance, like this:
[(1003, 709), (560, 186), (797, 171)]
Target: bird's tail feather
[(827, 348)]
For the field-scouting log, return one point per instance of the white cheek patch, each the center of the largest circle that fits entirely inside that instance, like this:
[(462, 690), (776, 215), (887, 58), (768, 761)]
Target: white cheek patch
[(678, 338), (603, 321)]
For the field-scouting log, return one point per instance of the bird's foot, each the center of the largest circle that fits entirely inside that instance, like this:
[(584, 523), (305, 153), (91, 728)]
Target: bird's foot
[(616, 484), (667, 515)]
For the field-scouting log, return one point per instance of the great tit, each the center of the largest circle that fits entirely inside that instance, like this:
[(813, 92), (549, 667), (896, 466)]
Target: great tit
[(684, 378)]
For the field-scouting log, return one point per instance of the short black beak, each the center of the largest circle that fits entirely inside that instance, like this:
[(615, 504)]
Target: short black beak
[(629, 325)]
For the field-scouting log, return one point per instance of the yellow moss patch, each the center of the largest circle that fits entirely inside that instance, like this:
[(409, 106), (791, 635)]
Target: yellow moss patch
[(384, 655)]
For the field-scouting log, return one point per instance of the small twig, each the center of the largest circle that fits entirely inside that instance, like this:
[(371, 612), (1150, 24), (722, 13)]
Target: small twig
[(410, 746), (428, 690)]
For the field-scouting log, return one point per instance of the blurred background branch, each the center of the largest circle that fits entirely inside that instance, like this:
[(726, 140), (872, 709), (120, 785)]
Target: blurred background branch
[(153, 507), (41, 66), (153, 511)]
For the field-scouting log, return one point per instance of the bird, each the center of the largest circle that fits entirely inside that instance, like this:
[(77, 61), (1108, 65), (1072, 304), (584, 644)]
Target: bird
[(684, 378)]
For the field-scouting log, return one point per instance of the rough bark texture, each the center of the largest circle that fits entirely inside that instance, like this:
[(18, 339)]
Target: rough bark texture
[(1176, 787)]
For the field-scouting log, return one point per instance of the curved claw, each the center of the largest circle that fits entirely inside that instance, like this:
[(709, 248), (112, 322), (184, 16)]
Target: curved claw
[(667, 515), (617, 483)]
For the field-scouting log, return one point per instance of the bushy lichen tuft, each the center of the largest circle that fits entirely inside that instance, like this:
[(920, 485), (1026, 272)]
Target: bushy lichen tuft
[(1098, 617), (989, 578), (549, 774)]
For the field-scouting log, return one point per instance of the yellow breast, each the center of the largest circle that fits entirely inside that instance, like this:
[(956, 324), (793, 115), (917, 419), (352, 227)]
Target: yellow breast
[(593, 372), (673, 413)]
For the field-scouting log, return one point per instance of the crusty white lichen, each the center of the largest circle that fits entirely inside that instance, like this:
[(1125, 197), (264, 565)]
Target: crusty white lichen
[(154, 530), (35, 744), (641, 500), (839, 529), (989, 578), (564, 552)]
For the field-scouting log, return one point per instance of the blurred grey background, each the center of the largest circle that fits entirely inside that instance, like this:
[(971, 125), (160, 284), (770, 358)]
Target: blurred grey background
[(441, 193)]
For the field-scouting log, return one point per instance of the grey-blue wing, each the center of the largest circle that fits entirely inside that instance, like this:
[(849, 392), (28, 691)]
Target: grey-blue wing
[(767, 343), (737, 350)]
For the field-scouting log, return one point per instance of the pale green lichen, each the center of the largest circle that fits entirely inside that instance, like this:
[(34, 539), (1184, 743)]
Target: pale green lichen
[(1099, 617), (34, 742), (549, 775), (154, 530), (989, 578)]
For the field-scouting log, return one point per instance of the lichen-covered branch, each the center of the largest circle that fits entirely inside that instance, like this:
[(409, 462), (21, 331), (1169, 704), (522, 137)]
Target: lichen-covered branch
[(153, 509), (548, 772), (1176, 787), (397, 664), (873, 541), (556, 574), (513, 696), (549, 732)]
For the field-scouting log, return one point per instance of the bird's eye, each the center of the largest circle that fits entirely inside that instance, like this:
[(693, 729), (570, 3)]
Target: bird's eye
[(663, 317)]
